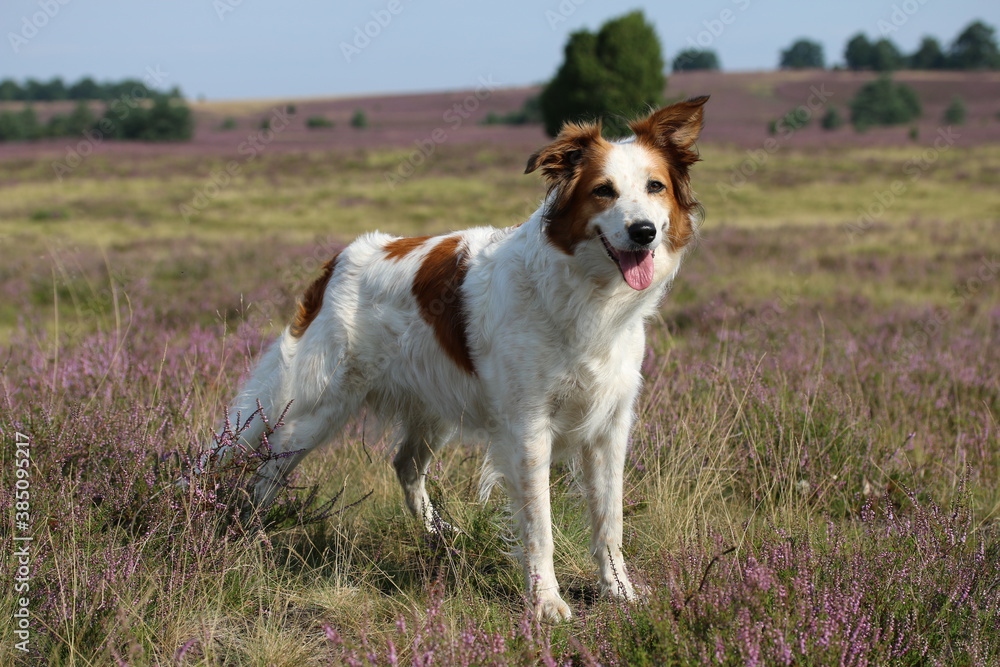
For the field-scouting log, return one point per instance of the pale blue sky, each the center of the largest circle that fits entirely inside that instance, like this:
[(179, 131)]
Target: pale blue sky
[(265, 48)]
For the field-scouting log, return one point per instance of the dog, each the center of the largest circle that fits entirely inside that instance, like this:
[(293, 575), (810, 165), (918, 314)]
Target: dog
[(528, 338)]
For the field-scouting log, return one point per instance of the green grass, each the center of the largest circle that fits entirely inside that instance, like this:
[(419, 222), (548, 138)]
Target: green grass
[(778, 417)]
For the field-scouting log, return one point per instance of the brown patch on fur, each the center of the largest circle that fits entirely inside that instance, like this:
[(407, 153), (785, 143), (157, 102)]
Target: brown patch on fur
[(400, 248), (312, 300), (671, 133), (437, 287), (572, 165)]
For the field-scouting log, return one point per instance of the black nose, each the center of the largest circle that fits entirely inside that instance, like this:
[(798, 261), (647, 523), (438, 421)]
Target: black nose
[(642, 232)]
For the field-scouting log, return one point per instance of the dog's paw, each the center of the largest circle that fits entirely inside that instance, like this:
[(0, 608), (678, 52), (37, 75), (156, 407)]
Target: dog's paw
[(553, 610), (624, 590)]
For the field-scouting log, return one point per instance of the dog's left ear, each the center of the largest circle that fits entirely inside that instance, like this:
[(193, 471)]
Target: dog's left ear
[(677, 126)]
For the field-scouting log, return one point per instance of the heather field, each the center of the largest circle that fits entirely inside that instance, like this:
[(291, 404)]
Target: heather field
[(814, 477)]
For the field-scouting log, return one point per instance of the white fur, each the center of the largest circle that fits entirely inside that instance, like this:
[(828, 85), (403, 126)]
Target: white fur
[(556, 339)]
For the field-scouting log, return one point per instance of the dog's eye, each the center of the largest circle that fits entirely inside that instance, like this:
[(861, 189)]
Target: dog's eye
[(604, 191), (655, 186)]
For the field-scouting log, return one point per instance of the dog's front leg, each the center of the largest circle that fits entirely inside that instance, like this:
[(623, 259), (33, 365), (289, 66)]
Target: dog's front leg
[(603, 472), (528, 485)]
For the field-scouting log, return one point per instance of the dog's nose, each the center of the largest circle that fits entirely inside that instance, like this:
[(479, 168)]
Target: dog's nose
[(642, 232)]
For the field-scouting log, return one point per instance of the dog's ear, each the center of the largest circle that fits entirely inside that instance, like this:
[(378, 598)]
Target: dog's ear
[(561, 159), (676, 126)]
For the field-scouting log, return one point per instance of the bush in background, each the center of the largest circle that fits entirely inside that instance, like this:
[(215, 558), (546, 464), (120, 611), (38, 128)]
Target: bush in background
[(955, 113), (690, 60), (832, 119), (318, 122), (884, 102), (803, 54), (359, 120), (614, 74)]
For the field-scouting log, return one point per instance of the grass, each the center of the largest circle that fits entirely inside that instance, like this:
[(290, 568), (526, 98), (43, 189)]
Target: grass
[(813, 478)]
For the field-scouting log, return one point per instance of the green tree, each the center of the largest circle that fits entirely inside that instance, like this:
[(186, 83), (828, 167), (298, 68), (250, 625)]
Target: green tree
[(832, 119), (975, 48), (885, 57), (359, 120), (928, 56), (858, 53), (164, 120), (612, 75), (695, 59), (955, 113), (85, 89), (883, 102), (803, 54), (10, 90)]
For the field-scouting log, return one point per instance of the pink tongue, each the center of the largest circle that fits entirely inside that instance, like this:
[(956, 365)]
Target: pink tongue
[(637, 267)]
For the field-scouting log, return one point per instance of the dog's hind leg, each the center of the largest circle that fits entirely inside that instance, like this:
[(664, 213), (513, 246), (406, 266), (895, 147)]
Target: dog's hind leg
[(411, 462)]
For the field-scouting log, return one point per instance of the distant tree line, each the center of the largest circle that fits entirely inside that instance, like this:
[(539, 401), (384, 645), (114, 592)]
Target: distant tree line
[(135, 112), (56, 89), (975, 48)]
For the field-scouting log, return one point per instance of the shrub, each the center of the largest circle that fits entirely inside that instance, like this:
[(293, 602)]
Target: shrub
[(228, 123), (291, 109), (529, 113), (318, 122), (265, 123), (76, 122), (955, 113), (883, 102), (19, 125), (614, 74), (165, 120), (359, 120), (795, 119), (832, 119)]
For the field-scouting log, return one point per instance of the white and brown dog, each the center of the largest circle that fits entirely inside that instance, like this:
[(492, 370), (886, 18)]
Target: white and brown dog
[(528, 338)]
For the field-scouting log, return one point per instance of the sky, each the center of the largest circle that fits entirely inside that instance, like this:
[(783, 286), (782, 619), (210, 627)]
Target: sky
[(240, 49)]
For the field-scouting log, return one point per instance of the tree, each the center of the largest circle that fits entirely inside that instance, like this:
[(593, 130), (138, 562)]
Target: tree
[(802, 54), (883, 102), (85, 89), (832, 119), (975, 48), (164, 120), (10, 90), (613, 75), (858, 53), (955, 113), (885, 57), (359, 120), (695, 59), (928, 56)]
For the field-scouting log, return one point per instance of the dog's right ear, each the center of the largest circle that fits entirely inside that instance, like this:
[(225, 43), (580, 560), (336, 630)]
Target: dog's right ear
[(560, 160)]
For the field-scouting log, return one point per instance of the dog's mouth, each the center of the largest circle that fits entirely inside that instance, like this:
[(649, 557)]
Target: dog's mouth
[(636, 265)]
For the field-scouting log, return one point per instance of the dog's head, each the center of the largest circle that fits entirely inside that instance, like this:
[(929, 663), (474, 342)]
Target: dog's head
[(628, 200)]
